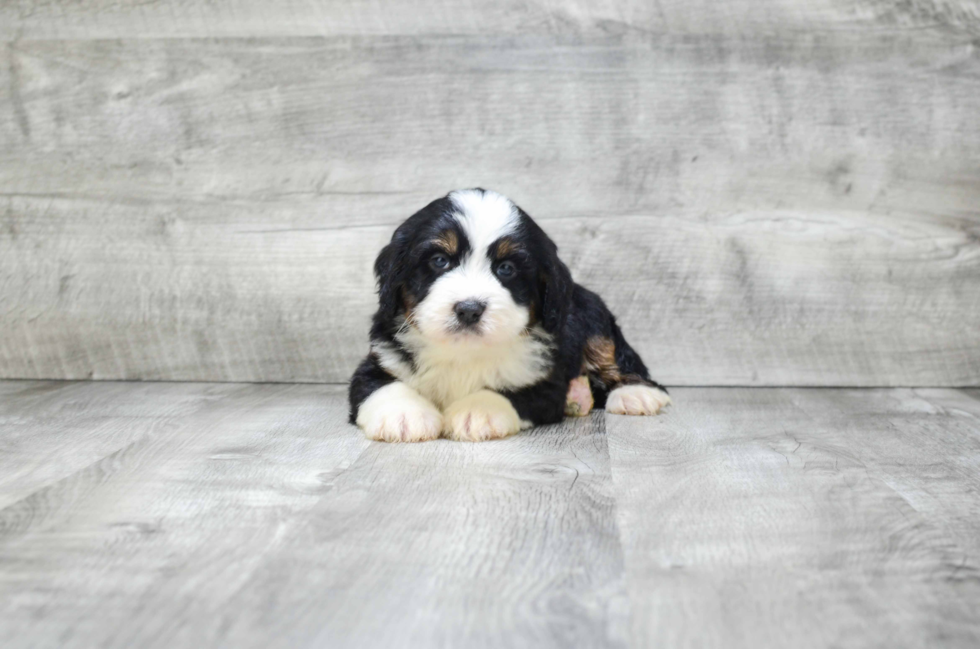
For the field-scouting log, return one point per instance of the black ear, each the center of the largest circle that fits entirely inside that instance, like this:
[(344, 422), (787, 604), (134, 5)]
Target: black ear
[(387, 269), (556, 292)]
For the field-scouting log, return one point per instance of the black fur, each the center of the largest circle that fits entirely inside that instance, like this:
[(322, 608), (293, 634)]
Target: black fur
[(572, 314), (397, 267), (587, 317), (368, 377)]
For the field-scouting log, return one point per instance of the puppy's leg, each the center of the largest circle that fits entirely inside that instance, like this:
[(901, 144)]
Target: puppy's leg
[(490, 415), (388, 410), (579, 401), (620, 371), (543, 402), (482, 416), (635, 393)]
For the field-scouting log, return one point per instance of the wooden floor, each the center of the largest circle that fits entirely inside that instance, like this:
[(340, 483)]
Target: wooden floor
[(193, 515)]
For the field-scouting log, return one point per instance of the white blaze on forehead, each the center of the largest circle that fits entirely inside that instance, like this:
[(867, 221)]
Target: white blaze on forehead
[(484, 216)]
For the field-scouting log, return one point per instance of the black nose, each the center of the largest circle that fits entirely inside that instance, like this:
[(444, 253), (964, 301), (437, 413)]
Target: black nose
[(468, 313)]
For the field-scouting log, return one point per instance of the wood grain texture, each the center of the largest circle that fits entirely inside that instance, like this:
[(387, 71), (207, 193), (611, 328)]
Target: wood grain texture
[(254, 516), (781, 210), (803, 518), (630, 124), (770, 298), (46, 19), (265, 520), (448, 544), (51, 430), (935, 468), (181, 516)]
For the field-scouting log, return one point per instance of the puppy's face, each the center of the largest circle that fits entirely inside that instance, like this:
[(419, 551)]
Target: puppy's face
[(469, 268)]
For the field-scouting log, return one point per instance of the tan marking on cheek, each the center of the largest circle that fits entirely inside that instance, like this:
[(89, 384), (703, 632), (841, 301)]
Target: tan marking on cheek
[(448, 241), (599, 358), (532, 315), (409, 302)]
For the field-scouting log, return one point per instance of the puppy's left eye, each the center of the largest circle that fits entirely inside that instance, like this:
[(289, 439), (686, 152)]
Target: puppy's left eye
[(506, 270), (439, 261)]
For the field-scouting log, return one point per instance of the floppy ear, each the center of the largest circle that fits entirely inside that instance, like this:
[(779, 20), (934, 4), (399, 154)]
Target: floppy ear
[(556, 293), (387, 271)]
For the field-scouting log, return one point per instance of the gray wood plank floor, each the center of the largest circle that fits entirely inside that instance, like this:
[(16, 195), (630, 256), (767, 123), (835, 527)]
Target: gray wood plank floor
[(166, 515)]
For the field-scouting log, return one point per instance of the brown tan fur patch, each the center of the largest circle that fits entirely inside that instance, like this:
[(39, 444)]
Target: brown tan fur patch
[(409, 301), (599, 359), (506, 247), (448, 241), (532, 315)]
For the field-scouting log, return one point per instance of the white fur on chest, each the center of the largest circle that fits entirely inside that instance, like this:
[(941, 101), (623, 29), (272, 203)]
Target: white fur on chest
[(444, 373)]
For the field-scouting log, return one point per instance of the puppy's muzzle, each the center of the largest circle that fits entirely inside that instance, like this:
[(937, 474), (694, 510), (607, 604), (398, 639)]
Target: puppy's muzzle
[(469, 312)]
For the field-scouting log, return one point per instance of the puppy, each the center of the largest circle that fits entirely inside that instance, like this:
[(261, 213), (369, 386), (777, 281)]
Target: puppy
[(480, 330)]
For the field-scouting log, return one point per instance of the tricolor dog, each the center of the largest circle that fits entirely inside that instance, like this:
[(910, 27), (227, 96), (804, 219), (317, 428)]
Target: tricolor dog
[(481, 332)]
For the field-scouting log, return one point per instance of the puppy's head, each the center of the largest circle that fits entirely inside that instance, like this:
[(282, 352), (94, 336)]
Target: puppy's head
[(471, 267)]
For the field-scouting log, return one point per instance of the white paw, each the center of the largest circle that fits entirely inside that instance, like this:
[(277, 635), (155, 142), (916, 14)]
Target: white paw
[(636, 400), (397, 413), (481, 416)]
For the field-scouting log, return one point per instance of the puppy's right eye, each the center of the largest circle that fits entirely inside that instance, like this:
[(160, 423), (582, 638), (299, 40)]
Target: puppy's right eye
[(439, 261)]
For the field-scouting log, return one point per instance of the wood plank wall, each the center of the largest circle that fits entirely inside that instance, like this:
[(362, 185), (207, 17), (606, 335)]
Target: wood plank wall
[(767, 192)]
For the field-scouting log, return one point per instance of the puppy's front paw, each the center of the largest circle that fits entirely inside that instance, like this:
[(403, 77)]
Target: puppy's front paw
[(397, 413), (636, 400), (481, 416)]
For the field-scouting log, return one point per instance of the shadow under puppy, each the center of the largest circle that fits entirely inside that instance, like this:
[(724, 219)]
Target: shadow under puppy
[(481, 332)]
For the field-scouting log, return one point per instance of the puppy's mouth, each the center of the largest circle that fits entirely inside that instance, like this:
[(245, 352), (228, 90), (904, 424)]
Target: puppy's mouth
[(460, 330)]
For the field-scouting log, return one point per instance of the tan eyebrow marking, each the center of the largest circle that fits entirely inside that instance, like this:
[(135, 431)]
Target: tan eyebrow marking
[(448, 241), (507, 246)]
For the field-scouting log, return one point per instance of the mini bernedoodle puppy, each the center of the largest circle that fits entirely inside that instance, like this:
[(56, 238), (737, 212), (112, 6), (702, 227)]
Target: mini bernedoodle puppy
[(481, 332)]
